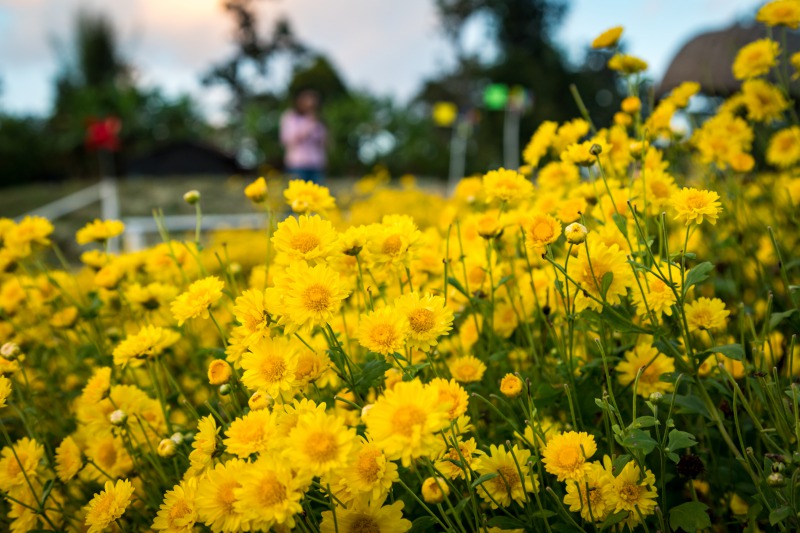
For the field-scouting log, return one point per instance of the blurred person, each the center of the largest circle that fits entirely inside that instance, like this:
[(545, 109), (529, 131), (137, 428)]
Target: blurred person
[(304, 138)]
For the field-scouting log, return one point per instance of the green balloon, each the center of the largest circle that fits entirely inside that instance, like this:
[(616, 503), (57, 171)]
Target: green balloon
[(495, 96)]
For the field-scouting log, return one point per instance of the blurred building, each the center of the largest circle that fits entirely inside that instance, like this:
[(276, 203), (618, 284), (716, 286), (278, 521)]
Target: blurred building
[(707, 59), (180, 158)]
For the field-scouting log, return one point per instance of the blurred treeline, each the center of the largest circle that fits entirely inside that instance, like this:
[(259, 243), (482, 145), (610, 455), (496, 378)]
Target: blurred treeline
[(96, 80)]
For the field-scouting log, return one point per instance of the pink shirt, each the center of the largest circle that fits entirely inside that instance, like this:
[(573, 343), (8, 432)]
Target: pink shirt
[(304, 140)]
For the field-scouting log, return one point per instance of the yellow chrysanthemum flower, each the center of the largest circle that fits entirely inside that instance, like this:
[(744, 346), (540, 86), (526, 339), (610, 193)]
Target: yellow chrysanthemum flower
[(756, 59), (257, 190), (369, 472), (404, 421), (506, 186), (511, 386), (593, 506), (383, 331), (455, 461), (18, 463), (541, 229), (5, 390), (177, 513), (217, 497), (198, 299), (69, 459), (467, 369), (589, 270), (252, 433), (608, 38), (204, 444), (309, 296), (305, 238), (508, 486), (109, 505), (654, 363), (452, 395), (627, 64), (565, 455), (394, 241), (540, 143), (694, 206), (428, 319), (99, 231), (633, 492), (706, 313), (149, 343), (373, 517), (784, 148), (319, 443), (764, 101), (780, 13), (269, 494), (271, 365), (307, 197)]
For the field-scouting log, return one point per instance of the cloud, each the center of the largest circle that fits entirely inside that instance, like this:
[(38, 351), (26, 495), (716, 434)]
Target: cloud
[(384, 46)]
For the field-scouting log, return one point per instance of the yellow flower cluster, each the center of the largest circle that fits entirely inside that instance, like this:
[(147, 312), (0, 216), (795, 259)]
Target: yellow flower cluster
[(542, 349)]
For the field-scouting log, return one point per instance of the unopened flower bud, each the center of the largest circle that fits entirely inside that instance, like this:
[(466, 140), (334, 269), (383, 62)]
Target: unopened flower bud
[(10, 350), (177, 438), (575, 233), (166, 448), (257, 191), (656, 397), (776, 479), (511, 386), (260, 400), (596, 150), (224, 389), (191, 197), (434, 490), (118, 417), (219, 372)]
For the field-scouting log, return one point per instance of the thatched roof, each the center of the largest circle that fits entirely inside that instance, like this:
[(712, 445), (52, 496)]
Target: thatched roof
[(707, 59)]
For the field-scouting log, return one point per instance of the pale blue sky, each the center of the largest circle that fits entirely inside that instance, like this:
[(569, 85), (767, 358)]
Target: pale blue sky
[(387, 46)]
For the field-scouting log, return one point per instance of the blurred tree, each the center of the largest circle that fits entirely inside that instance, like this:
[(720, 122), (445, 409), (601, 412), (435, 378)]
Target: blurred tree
[(521, 33), (246, 71), (96, 81), (317, 73)]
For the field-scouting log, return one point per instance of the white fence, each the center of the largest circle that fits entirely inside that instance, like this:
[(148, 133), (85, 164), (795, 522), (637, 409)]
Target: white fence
[(137, 228)]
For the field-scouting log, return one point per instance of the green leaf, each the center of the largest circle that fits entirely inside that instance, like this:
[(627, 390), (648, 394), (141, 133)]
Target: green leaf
[(48, 488), (696, 275), (777, 318), (619, 463), (691, 405), (484, 478), (615, 518), (644, 422), (679, 440), (423, 523), (505, 522), (457, 284), (689, 516), (503, 281), (621, 223), (370, 373), (640, 440), (779, 515), (608, 279), (731, 351)]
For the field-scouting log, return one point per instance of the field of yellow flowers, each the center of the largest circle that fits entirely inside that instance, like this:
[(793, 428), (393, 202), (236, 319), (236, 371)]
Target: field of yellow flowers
[(603, 339)]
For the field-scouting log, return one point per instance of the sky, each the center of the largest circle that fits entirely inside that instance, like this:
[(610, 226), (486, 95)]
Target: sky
[(386, 46)]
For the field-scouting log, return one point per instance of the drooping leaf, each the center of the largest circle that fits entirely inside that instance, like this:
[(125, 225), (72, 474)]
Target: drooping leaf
[(696, 275), (689, 516)]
